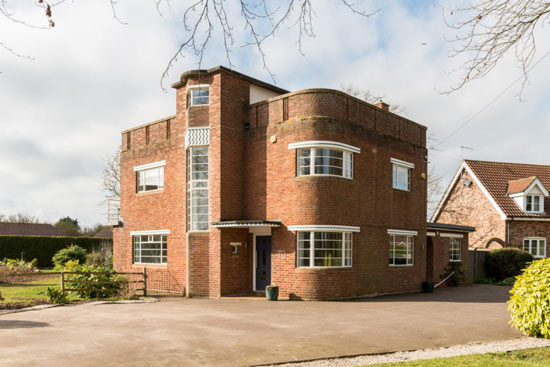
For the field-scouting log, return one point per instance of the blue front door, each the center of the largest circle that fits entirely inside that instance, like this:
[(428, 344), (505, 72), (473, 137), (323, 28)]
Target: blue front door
[(263, 262)]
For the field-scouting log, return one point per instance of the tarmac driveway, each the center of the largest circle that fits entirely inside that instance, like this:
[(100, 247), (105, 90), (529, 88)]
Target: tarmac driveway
[(236, 332)]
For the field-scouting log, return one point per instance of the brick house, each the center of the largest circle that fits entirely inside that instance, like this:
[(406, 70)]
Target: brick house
[(248, 184), (508, 204)]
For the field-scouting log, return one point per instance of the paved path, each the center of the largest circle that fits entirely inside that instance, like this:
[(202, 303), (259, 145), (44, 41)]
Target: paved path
[(231, 332)]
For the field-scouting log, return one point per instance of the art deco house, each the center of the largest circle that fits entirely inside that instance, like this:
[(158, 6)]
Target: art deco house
[(248, 184)]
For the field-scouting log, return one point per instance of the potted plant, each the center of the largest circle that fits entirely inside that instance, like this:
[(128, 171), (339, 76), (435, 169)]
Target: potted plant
[(272, 292)]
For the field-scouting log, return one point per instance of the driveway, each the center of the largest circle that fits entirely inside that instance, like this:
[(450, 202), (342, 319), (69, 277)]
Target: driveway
[(236, 332)]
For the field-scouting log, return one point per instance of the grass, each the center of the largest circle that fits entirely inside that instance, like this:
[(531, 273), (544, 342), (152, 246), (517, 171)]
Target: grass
[(521, 358)]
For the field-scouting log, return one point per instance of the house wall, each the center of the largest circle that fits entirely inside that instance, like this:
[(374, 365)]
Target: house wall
[(441, 253), (520, 229), (468, 206)]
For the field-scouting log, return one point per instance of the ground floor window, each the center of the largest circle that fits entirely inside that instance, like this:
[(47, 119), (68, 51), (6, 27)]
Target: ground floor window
[(454, 252), (401, 250), (324, 249), (150, 249), (535, 246)]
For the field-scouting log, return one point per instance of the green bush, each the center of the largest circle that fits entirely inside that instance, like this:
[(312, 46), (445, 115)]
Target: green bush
[(454, 268), (506, 262), (44, 248), (104, 285), (17, 266), (530, 301), (70, 253), (56, 295)]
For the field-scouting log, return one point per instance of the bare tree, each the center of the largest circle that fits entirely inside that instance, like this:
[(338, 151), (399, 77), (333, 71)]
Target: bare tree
[(370, 97), (19, 218), (111, 174), (204, 20), (488, 30)]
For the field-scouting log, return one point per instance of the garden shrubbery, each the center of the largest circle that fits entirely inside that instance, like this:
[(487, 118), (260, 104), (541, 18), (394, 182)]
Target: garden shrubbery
[(506, 262), (104, 283), (70, 253), (530, 301), (16, 266)]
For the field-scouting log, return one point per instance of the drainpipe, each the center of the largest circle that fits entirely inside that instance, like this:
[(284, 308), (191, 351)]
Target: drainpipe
[(187, 287), (508, 230)]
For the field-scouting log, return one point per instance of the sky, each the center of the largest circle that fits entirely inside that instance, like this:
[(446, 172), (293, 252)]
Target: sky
[(92, 77)]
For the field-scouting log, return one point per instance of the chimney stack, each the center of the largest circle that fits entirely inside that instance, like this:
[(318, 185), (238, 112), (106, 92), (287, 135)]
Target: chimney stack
[(382, 105)]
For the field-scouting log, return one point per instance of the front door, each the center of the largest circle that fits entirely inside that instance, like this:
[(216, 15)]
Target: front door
[(263, 262)]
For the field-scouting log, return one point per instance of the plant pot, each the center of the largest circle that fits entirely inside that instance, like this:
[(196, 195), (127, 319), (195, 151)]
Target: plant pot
[(271, 293), (428, 287)]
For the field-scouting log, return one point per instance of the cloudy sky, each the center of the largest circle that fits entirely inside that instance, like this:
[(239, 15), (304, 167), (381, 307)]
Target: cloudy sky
[(91, 77)]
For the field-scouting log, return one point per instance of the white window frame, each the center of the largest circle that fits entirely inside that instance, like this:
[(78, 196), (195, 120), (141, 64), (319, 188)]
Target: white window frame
[(312, 250), (347, 156), (453, 241), (408, 234), (163, 246), (191, 190), (536, 240), (398, 164), (159, 166), (191, 98), (540, 203)]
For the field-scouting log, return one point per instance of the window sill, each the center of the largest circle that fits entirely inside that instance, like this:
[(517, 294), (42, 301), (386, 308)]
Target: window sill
[(402, 266), (302, 177), (302, 268), (455, 261), (402, 190), (199, 232), (141, 266)]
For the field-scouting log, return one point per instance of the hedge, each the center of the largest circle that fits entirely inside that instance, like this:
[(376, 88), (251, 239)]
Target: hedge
[(43, 248)]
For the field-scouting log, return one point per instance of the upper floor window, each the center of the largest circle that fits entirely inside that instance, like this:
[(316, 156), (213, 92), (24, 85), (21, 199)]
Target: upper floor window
[(401, 177), (199, 95), (533, 203), (324, 158), (535, 246), (401, 247), (150, 177), (197, 189), (455, 249)]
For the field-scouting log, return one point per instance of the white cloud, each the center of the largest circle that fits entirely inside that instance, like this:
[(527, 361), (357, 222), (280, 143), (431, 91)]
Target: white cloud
[(94, 77)]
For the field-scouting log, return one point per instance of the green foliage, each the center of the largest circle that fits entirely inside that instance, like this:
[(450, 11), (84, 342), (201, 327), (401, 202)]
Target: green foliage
[(486, 281), (103, 285), (530, 300), (454, 267), (73, 252), (56, 295), (44, 248), (506, 262), (69, 226), (508, 281), (17, 266)]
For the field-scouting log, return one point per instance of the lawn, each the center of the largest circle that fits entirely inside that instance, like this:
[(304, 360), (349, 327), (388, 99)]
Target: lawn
[(528, 357), (28, 289)]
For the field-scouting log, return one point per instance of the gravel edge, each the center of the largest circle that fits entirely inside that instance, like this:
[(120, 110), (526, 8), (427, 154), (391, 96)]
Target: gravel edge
[(444, 352)]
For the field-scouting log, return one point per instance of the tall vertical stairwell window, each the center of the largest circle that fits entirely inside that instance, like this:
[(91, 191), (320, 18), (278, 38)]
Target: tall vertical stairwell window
[(197, 189)]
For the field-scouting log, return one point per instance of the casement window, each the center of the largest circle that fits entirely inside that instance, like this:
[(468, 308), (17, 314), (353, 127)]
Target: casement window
[(455, 249), (150, 177), (197, 189), (535, 246), (533, 203), (401, 248), (324, 249), (150, 249), (199, 95), (401, 177), (324, 158)]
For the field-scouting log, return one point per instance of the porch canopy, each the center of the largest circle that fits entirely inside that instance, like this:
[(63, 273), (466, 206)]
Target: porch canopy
[(247, 224)]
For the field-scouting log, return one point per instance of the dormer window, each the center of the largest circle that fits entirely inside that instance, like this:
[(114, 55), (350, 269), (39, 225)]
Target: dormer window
[(533, 203)]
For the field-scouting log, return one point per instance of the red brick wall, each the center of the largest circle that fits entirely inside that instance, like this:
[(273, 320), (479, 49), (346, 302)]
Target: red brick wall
[(468, 206), (520, 229), (441, 253)]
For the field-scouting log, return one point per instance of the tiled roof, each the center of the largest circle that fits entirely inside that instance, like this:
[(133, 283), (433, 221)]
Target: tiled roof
[(105, 232), (29, 229), (495, 177), (516, 186)]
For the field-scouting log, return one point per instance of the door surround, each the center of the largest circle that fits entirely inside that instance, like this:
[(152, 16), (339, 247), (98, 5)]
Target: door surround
[(258, 231)]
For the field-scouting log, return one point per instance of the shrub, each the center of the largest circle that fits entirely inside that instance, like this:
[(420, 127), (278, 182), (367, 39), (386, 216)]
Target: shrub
[(506, 262), (530, 300), (94, 259), (56, 295), (72, 252), (44, 248), (14, 266), (86, 285), (454, 268)]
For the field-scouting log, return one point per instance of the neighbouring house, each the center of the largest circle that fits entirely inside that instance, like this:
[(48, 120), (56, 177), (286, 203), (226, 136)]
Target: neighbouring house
[(30, 229), (248, 185), (508, 203), (105, 232)]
